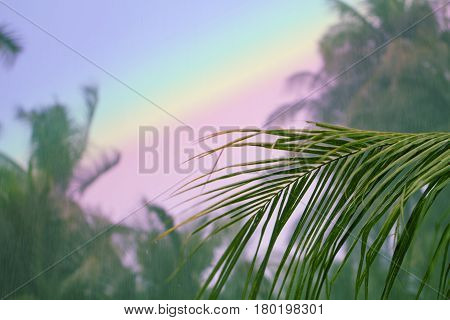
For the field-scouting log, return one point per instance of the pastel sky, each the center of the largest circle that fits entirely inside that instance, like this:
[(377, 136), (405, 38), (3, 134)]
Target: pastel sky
[(205, 62)]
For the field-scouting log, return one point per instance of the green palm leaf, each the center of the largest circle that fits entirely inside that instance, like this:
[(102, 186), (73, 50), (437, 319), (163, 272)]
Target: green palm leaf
[(337, 190)]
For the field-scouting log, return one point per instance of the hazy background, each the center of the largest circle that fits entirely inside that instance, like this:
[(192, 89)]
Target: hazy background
[(202, 61)]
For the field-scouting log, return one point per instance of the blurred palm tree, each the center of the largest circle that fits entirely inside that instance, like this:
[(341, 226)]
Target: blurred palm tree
[(58, 146), (401, 87), (40, 220), (166, 270), (9, 45)]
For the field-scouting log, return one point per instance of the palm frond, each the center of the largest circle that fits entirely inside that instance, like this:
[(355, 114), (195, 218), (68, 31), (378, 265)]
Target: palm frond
[(88, 176), (339, 189), (91, 98), (9, 45)]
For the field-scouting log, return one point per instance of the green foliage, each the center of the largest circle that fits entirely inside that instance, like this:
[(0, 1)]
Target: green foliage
[(9, 45), (402, 87), (339, 194), (166, 269), (40, 223), (58, 145)]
